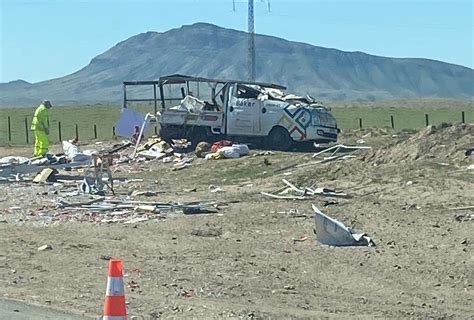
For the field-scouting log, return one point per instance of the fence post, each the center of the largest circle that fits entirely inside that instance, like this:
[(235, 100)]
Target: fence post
[(463, 119), (427, 120), (9, 130), (26, 131), (360, 123), (391, 121), (77, 131), (59, 132), (95, 131)]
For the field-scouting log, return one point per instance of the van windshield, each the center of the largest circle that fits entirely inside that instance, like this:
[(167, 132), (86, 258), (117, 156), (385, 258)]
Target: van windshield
[(323, 118)]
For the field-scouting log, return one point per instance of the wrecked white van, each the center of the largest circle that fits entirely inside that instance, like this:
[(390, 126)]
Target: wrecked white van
[(251, 112)]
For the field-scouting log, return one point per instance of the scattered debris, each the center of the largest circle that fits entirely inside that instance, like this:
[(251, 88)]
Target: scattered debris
[(45, 247), (332, 232), (464, 217), (207, 232), (462, 208), (136, 220), (300, 239), (137, 193), (202, 149), (14, 160), (102, 210), (330, 203), (73, 154), (182, 163), (215, 189), (227, 152), (264, 153), (341, 148), (293, 213), (304, 194), (44, 175), (154, 148)]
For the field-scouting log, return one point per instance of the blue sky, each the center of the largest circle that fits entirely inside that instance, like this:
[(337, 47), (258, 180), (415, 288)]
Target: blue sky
[(44, 39)]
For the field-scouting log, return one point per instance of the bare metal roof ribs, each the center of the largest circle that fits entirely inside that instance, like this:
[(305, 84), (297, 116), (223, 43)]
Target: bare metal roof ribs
[(178, 78)]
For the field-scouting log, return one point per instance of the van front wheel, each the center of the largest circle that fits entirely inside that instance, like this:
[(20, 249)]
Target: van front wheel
[(279, 139)]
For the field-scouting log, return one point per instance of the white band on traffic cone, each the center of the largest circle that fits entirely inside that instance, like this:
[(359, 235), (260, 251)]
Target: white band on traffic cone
[(115, 287)]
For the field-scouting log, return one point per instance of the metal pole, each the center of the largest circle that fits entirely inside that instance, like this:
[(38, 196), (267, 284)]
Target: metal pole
[(162, 97), (156, 107), (9, 130), (95, 131), (360, 123), (124, 103), (154, 98), (59, 132), (77, 131), (391, 120), (427, 120), (140, 136), (26, 131)]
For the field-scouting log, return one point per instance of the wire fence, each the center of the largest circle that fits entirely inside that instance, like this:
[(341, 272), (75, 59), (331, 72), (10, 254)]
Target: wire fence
[(16, 131)]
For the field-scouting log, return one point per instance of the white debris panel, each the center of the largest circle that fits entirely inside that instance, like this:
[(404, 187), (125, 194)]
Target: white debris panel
[(334, 233), (129, 119)]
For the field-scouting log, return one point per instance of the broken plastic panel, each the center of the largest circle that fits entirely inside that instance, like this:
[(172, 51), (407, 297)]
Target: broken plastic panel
[(334, 233)]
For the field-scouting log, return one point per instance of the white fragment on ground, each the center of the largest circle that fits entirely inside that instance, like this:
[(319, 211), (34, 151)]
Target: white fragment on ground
[(45, 247)]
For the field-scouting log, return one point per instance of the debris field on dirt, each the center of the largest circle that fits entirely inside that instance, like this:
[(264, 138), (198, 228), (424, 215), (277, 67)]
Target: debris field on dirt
[(237, 237)]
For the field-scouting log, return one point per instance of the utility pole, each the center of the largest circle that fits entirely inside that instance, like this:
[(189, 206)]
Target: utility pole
[(251, 43)]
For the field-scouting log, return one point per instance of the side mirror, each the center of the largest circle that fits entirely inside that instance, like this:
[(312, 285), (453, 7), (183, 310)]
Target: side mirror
[(231, 109), (264, 110)]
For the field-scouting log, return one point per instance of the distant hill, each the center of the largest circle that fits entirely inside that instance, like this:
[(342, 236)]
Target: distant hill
[(210, 51)]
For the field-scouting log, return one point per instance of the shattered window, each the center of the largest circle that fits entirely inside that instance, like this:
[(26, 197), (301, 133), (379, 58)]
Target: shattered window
[(246, 92)]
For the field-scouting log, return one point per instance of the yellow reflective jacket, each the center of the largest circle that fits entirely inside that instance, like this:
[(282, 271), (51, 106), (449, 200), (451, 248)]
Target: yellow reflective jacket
[(40, 119)]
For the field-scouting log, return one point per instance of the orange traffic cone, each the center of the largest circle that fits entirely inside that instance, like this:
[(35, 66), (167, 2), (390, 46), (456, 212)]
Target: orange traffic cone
[(114, 306)]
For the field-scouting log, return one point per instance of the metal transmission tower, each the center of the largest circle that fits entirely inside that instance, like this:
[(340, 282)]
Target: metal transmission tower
[(251, 39), (251, 43)]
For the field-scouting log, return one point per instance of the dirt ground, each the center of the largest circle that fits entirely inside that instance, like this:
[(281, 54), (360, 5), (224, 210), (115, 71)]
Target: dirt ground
[(243, 262)]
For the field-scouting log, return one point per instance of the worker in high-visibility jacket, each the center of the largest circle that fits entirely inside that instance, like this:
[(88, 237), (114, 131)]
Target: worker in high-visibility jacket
[(40, 126)]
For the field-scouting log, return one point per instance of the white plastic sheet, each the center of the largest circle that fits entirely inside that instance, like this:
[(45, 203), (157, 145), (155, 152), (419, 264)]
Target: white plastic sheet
[(13, 160), (235, 151), (334, 233), (128, 120), (73, 153)]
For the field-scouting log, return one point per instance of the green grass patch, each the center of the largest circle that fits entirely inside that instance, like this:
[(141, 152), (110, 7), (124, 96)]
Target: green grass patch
[(405, 119), (104, 117)]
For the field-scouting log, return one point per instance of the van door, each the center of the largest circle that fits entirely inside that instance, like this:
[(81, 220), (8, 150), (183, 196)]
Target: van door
[(243, 115)]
